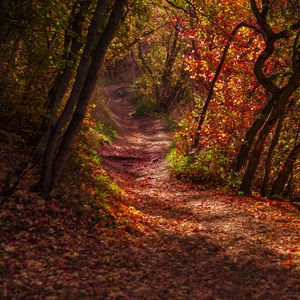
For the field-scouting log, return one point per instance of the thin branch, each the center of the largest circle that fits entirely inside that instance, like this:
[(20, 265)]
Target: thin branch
[(178, 7), (202, 116), (296, 53), (147, 33)]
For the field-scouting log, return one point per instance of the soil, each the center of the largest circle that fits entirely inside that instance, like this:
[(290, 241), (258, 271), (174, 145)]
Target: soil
[(185, 243), (203, 244)]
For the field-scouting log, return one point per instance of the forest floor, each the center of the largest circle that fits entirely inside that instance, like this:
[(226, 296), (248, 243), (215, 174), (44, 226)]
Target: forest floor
[(185, 242)]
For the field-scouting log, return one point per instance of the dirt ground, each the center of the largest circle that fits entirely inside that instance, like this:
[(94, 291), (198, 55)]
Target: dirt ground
[(206, 244), (188, 243)]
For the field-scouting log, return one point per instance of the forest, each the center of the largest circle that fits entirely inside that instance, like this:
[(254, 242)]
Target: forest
[(149, 149)]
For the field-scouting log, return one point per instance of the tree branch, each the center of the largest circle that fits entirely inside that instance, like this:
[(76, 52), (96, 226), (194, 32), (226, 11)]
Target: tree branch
[(147, 33), (202, 116)]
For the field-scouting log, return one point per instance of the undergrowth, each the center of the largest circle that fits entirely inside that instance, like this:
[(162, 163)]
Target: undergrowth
[(208, 167), (144, 106), (87, 187)]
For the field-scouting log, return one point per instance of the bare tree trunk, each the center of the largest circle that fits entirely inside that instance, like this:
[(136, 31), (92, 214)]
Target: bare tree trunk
[(61, 86), (280, 182), (63, 79), (57, 130), (251, 134), (280, 96), (258, 146), (167, 72), (268, 161), (56, 164)]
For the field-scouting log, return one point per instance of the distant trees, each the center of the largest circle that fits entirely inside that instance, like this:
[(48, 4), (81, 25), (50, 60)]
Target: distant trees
[(159, 58)]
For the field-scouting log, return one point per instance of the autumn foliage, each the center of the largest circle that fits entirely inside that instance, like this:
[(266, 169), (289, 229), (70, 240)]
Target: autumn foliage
[(149, 149), (243, 59)]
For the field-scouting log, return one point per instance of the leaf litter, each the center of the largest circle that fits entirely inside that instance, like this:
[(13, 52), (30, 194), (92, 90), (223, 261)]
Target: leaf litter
[(173, 240)]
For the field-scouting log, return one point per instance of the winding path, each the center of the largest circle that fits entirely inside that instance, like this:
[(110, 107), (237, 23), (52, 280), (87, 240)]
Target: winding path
[(199, 244), (183, 242)]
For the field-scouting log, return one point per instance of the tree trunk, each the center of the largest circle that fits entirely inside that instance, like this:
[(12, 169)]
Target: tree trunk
[(279, 107), (57, 129), (58, 160), (282, 178), (255, 155), (167, 72), (63, 79), (274, 142), (251, 134), (280, 95), (61, 86), (148, 69)]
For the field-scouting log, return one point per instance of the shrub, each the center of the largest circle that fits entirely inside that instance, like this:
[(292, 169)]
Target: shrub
[(209, 167)]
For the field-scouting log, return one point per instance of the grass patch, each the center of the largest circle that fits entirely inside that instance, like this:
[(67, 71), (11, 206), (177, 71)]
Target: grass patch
[(210, 167)]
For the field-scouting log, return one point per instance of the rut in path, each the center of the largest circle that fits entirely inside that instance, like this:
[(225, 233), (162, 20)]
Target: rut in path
[(203, 244)]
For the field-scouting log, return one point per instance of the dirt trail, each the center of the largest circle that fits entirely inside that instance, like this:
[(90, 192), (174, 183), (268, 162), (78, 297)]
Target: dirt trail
[(182, 242), (201, 244)]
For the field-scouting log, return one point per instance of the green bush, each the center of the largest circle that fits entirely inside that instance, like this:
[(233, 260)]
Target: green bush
[(209, 167), (144, 106)]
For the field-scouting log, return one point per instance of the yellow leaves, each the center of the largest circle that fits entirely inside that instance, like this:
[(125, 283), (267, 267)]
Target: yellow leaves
[(125, 213), (134, 211)]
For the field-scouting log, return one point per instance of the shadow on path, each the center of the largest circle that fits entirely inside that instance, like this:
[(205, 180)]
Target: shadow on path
[(204, 245)]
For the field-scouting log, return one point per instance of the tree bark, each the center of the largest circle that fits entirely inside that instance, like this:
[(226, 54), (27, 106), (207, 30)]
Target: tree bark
[(279, 107), (251, 134), (280, 96), (63, 79), (270, 39), (48, 179), (282, 178), (57, 129), (268, 161), (167, 72), (61, 86)]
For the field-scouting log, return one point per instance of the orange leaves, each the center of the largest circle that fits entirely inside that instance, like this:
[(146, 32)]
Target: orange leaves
[(288, 262), (125, 214), (234, 103)]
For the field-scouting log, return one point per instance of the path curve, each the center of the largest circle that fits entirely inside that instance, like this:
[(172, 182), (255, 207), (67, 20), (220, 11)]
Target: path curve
[(201, 244)]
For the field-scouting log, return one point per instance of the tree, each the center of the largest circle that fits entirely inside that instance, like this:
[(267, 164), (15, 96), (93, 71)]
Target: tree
[(286, 171), (163, 74), (279, 95), (244, 63), (72, 45), (74, 111)]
